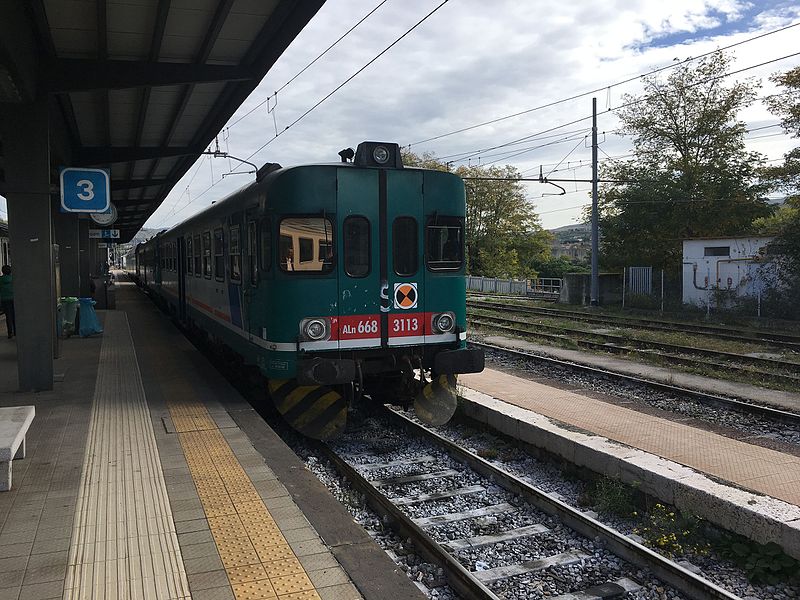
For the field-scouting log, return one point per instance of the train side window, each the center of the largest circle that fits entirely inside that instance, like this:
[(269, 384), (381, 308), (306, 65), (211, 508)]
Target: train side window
[(355, 231), (445, 243), (189, 255), (235, 254), (266, 244), (219, 254), (207, 254), (405, 253), (252, 252), (305, 236), (198, 249)]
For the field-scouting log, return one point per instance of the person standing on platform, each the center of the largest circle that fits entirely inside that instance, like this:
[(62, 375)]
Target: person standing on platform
[(7, 301)]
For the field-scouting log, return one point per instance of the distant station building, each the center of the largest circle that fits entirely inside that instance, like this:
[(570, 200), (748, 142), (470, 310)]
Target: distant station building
[(722, 271)]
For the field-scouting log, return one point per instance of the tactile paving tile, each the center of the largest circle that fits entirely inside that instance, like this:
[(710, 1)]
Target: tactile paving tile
[(254, 590), (288, 584), (123, 543), (247, 573), (257, 558)]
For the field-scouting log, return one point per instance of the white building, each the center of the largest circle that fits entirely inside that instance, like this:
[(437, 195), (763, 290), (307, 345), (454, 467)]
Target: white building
[(715, 268)]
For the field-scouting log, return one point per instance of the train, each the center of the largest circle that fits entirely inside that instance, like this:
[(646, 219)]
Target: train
[(338, 281)]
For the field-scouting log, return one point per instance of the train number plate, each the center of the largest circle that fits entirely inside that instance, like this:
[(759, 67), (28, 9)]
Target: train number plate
[(359, 327), (404, 325)]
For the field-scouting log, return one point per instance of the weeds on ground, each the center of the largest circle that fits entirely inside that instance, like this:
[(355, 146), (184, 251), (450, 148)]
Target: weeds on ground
[(612, 495), (763, 563), (672, 532)]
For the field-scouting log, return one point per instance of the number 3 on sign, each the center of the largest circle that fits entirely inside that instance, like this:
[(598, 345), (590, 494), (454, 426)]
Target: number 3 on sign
[(87, 193)]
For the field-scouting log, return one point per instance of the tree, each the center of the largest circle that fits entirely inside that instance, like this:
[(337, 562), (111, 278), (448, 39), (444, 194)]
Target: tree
[(784, 223), (690, 174), (503, 233)]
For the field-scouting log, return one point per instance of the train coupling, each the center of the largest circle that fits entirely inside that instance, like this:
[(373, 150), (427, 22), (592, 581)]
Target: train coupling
[(325, 371)]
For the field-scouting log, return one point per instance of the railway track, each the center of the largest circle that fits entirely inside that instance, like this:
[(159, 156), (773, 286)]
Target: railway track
[(775, 414), (672, 353), (788, 341), (495, 535)]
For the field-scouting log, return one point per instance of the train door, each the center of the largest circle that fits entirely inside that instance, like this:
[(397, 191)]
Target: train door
[(250, 268), (403, 225), (181, 273), (362, 283)]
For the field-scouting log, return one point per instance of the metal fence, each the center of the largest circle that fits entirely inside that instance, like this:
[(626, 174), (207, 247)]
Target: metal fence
[(497, 286)]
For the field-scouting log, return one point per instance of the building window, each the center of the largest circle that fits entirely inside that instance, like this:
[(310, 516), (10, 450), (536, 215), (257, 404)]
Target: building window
[(219, 254), (207, 254), (405, 255), (717, 251), (235, 254), (302, 239), (189, 255), (355, 233), (445, 237)]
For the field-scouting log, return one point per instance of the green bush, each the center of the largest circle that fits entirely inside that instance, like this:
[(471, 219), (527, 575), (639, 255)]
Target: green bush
[(763, 563)]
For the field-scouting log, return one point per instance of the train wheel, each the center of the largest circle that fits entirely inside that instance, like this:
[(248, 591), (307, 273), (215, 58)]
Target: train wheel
[(315, 411), (436, 403)]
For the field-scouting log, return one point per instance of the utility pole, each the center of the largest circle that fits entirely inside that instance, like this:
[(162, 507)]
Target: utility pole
[(595, 290)]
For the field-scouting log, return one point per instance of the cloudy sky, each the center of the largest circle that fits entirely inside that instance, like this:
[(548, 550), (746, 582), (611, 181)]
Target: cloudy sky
[(476, 60)]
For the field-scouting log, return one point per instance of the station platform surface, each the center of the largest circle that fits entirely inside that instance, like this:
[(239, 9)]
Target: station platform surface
[(733, 389), (148, 476), (751, 467)]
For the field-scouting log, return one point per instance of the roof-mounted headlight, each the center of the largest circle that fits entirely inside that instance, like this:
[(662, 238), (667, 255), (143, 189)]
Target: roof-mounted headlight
[(378, 154)]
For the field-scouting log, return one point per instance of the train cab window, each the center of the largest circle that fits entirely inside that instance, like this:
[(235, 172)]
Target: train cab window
[(355, 234), (197, 252), (306, 244), (189, 255), (445, 249), (207, 254), (219, 254), (405, 255), (235, 255)]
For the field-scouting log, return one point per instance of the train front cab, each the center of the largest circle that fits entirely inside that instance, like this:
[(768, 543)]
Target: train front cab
[(372, 285)]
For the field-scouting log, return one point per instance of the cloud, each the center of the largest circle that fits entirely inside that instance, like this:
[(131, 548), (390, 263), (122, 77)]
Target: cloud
[(474, 61)]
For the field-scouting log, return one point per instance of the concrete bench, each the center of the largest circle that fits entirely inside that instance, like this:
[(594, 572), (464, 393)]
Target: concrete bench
[(14, 424)]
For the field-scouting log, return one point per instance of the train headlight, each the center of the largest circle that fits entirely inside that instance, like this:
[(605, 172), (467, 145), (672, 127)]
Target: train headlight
[(380, 154), (444, 322), (315, 329)]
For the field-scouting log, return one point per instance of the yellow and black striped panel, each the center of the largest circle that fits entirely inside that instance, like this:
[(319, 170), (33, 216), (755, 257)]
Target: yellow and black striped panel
[(436, 403), (316, 411)]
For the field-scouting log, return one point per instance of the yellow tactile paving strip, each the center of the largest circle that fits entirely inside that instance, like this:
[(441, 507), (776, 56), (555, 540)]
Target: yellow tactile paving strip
[(123, 544), (760, 469), (257, 558)]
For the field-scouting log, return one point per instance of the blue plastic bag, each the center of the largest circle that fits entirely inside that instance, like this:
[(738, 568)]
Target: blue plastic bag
[(88, 318)]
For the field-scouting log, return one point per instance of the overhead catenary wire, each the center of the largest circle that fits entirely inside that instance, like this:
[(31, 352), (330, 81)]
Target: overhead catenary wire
[(602, 88), (304, 69)]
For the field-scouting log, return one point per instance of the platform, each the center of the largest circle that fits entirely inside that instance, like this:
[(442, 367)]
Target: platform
[(776, 398), (149, 476), (747, 488)]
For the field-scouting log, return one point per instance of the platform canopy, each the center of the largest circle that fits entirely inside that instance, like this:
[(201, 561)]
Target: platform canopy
[(140, 87)]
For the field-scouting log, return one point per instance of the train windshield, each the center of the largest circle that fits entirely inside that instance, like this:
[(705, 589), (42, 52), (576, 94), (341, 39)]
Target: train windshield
[(306, 244), (445, 243)]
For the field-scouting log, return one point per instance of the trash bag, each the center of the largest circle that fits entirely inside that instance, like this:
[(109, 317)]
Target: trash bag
[(89, 322), (68, 307)]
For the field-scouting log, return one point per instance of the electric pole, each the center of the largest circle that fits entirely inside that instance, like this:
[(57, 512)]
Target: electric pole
[(595, 289)]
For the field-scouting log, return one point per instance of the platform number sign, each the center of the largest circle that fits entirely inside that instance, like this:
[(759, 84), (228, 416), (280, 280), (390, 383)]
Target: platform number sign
[(85, 190)]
